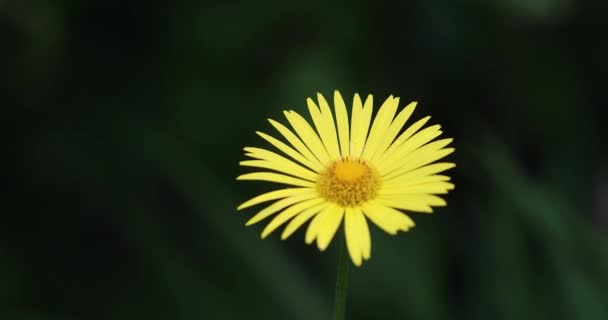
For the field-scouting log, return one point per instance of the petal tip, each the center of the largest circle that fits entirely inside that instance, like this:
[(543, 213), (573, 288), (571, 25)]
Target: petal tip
[(322, 246), (309, 239)]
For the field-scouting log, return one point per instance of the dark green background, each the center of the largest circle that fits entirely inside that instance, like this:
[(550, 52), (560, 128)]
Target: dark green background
[(123, 123)]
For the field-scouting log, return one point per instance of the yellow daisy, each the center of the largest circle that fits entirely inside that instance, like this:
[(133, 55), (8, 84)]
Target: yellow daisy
[(349, 171)]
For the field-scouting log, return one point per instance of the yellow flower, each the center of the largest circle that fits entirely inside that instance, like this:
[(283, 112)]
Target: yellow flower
[(349, 171)]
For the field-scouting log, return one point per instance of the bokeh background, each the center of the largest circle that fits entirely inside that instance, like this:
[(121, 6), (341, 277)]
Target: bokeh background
[(123, 123)]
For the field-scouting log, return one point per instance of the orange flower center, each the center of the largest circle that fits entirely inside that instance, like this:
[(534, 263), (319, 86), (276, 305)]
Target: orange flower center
[(348, 182)]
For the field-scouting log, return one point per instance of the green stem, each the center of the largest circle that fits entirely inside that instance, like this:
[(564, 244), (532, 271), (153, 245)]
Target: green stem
[(341, 283)]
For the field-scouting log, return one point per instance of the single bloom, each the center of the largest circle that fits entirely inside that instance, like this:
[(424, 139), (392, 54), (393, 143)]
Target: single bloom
[(350, 172)]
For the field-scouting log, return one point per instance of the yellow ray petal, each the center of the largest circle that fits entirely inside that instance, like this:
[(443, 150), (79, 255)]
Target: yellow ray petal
[(387, 218), (353, 236), (277, 162), (308, 136), (421, 172), (432, 200), (290, 152), (414, 181), (289, 213), (329, 226), (393, 130), (328, 132), (276, 177), (321, 126), (280, 167), (417, 158), (273, 195), (342, 122), (360, 124), (365, 241), (416, 141), (412, 202), (315, 225), (298, 144), (404, 137), (354, 125), (380, 126), (301, 218), (404, 203), (279, 205), (430, 188)]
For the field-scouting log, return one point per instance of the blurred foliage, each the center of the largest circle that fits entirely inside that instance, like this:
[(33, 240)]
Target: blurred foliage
[(124, 122)]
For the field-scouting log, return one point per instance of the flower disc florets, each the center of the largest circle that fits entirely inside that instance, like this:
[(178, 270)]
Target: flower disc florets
[(348, 182)]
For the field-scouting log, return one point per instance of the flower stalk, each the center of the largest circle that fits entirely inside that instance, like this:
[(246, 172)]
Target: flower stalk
[(341, 283)]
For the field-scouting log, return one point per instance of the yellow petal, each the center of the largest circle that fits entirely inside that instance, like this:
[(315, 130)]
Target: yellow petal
[(279, 205), (291, 152), (377, 133), (417, 140), (329, 226), (328, 131), (421, 172), (365, 241), (352, 237), (404, 137), (289, 213), (301, 218), (431, 188), (417, 160), (354, 125), (398, 183), (316, 224), (308, 136), (427, 150), (298, 144), (353, 234), (386, 218), (273, 195), (412, 202), (393, 130), (404, 203), (279, 167), (273, 161), (342, 122), (360, 124), (432, 200), (276, 177)]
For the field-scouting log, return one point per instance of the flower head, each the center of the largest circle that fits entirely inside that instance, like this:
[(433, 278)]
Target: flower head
[(349, 171)]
